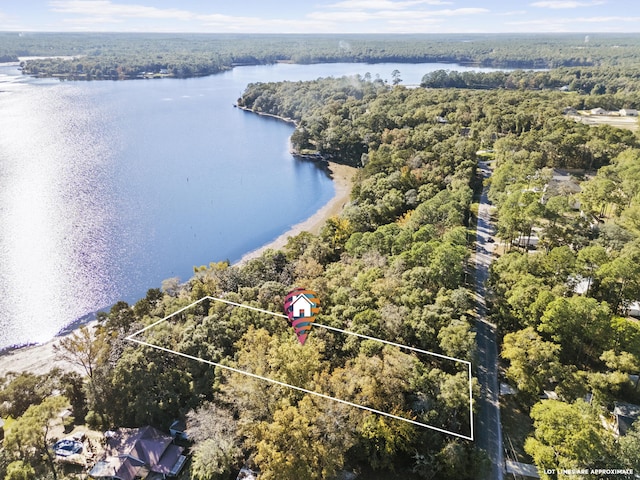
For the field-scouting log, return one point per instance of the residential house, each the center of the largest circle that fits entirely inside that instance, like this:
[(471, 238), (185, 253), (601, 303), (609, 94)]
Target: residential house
[(629, 112), (599, 111), (562, 183), (625, 414), (132, 453)]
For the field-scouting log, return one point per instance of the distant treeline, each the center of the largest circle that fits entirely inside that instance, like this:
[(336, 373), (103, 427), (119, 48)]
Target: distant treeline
[(586, 80), (101, 55)]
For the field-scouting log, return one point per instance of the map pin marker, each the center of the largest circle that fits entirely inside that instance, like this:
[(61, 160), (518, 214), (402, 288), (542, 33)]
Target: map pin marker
[(301, 306)]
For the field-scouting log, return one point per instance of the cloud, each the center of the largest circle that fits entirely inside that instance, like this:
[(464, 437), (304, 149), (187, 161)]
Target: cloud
[(576, 21), (383, 4), (93, 13), (391, 15), (558, 4), (108, 9), (579, 24), (608, 19), (512, 13)]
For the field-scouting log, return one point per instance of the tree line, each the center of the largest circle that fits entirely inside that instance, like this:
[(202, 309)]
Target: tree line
[(113, 56), (611, 87)]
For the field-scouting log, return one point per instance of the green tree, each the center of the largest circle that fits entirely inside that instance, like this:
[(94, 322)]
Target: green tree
[(580, 325), (298, 443), (382, 439), (532, 361), (21, 391), (457, 340), (120, 317), (620, 278), (630, 448), (395, 75), (82, 349), (567, 436), (214, 459), (20, 470), (28, 438), (589, 260)]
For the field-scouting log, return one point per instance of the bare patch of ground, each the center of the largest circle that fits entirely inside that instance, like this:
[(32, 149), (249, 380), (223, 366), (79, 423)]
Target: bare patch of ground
[(629, 123)]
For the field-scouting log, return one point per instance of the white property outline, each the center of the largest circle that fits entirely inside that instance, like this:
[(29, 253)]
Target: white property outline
[(304, 390)]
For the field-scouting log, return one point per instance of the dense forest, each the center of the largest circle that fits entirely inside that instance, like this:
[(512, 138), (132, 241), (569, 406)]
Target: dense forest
[(113, 56), (395, 264), (561, 309)]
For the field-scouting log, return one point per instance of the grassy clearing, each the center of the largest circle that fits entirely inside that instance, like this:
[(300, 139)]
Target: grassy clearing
[(629, 123)]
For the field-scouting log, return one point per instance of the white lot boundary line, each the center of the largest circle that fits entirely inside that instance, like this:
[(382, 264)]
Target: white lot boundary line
[(304, 390)]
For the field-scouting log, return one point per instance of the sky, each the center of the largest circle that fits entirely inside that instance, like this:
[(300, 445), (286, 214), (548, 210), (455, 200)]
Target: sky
[(321, 16)]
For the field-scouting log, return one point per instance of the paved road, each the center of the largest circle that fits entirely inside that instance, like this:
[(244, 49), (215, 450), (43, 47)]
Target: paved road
[(487, 428)]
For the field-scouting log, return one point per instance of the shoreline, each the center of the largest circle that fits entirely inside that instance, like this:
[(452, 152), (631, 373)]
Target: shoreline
[(342, 176), (40, 359), (271, 115)]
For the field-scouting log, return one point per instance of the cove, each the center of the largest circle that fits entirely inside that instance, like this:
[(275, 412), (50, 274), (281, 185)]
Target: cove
[(107, 188)]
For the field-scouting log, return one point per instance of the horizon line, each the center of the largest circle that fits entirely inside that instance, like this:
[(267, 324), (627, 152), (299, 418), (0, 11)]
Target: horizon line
[(184, 32)]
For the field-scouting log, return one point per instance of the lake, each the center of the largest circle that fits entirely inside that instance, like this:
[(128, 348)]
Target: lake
[(107, 188)]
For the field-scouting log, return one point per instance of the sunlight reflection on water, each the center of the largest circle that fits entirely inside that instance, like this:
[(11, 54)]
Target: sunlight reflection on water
[(52, 247), (106, 190)]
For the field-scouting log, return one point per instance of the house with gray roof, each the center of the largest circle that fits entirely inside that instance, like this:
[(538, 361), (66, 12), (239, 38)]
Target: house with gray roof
[(133, 453)]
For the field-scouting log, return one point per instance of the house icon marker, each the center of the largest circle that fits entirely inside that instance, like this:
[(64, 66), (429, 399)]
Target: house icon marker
[(301, 306)]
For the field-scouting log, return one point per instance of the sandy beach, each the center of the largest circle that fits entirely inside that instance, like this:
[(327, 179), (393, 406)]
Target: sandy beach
[(40, 359), (37, 359)]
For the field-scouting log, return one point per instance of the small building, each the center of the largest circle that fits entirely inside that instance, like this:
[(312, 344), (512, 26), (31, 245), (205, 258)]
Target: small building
[(625, 414), (634, 309), (629, 112), (526, 241), (570, 111), (599, 111), (178, 430), (565, 185)]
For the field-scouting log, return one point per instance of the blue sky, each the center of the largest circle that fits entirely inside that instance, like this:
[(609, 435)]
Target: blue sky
[(326, 16)]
